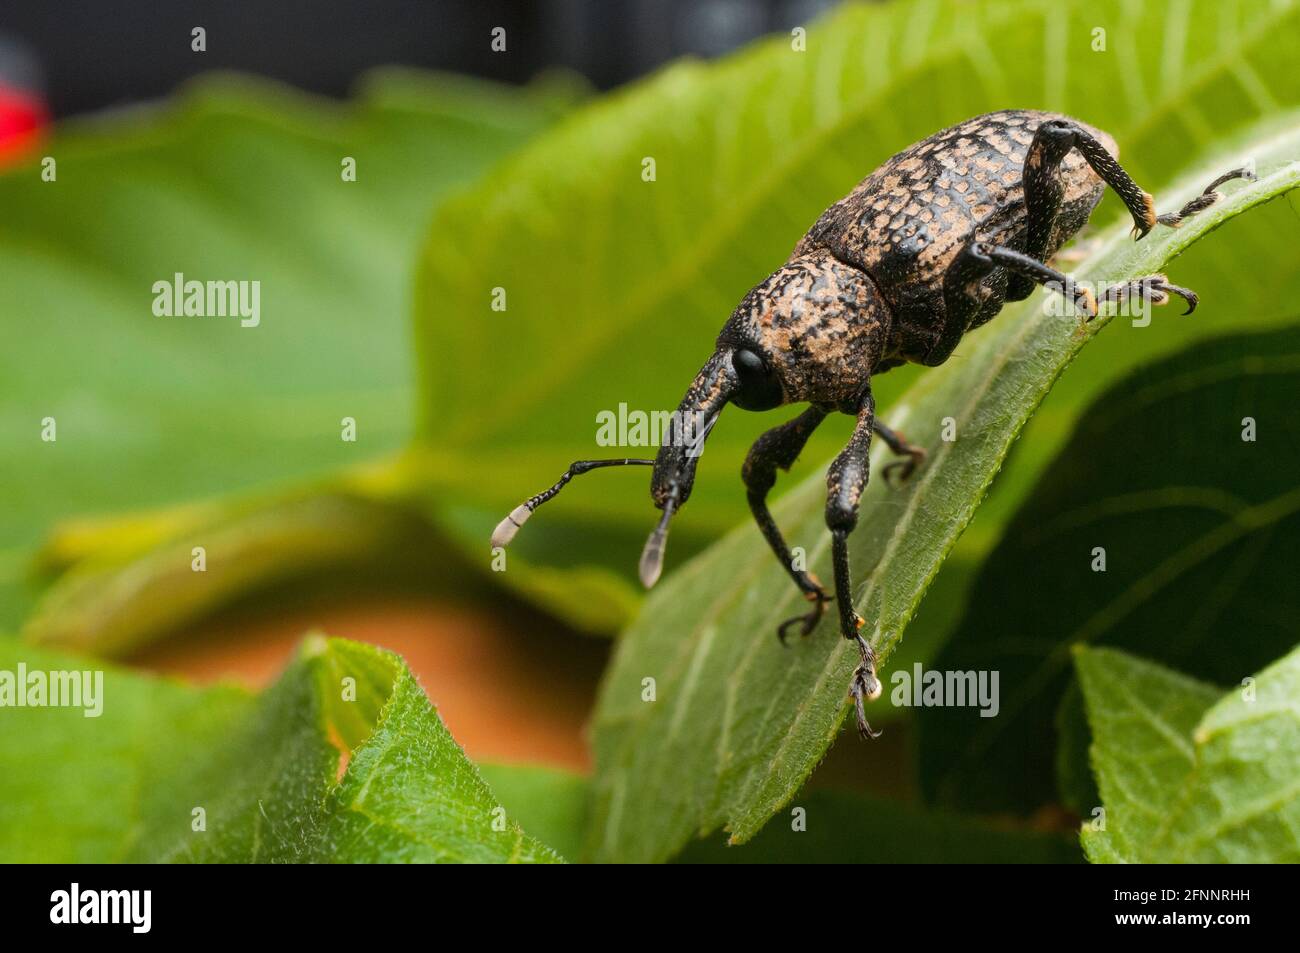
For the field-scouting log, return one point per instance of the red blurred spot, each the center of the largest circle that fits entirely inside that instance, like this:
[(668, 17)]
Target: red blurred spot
[(23, 121)]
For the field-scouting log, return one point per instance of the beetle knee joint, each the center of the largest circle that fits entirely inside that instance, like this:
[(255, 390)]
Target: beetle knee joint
[(841, 518)]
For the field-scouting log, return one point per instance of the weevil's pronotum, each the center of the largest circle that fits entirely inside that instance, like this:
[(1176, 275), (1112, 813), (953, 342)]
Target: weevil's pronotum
[(926, 248)]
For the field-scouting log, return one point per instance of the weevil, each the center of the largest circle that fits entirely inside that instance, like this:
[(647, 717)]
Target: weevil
[(925, 249)]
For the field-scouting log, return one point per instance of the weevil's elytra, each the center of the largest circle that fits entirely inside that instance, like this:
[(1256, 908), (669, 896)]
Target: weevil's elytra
[(927, 247)]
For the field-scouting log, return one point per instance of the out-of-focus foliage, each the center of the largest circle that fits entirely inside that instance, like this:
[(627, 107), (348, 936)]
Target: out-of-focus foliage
[(1187, 775), (823, 826), (127, 785), (1197, 527), (235, 180)]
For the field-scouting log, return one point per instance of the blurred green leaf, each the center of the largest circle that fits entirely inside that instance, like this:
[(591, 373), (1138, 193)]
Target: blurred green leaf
[(116, 600), (1198, 528), (843, 828), (549, 803), (1075, 786), (616, 286), (1187, 777), (235, 180), (836, 827), (124, 786), (74, 789), (739, 721)]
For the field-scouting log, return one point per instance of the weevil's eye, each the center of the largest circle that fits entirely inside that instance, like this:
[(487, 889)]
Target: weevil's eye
[(759, 388)]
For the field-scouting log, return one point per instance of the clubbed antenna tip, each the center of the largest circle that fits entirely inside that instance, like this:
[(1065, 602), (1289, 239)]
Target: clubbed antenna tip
[(506, 529)]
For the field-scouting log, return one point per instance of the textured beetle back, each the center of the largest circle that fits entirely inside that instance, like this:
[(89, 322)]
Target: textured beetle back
[(906, 222)]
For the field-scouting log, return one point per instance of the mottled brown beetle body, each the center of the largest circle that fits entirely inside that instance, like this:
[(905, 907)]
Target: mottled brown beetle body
[(906, 223), (883, 253), (926, 248)]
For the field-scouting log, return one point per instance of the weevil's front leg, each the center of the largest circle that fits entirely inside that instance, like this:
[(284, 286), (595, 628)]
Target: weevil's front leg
[(899, 445), (845, 481), (778, 449), (1043, 188)]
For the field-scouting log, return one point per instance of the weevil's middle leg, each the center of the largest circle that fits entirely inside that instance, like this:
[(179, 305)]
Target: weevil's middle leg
[(979, 258), (777, 449), (1154, 289), (965, 300), (845, 481), (899, 445)]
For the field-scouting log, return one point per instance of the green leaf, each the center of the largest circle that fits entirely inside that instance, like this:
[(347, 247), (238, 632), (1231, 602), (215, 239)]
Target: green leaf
[(616, 286), (126, 785), (234, 180), (739, 722), (1196, 524), (117, 597), (76, 789), (1076, 789), (844, 828), (550, 804), (837, 827), (1188, 779)]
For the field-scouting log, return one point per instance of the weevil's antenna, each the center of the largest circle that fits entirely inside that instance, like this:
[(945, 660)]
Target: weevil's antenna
[(506, 529), (652, 557)]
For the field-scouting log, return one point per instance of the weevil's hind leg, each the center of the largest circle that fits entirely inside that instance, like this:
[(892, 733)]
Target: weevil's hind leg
[(777, 449), (1208, 197), (899, 445), (845, 481), (1044, 189)]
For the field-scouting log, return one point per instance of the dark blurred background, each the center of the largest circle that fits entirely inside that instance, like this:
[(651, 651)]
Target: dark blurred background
[(76, 57)]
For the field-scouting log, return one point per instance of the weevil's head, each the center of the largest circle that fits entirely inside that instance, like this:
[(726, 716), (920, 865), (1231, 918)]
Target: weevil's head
[(809, 332)]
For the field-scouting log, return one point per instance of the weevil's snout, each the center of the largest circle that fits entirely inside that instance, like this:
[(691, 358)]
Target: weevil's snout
[(679, 455), (689, 425)]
